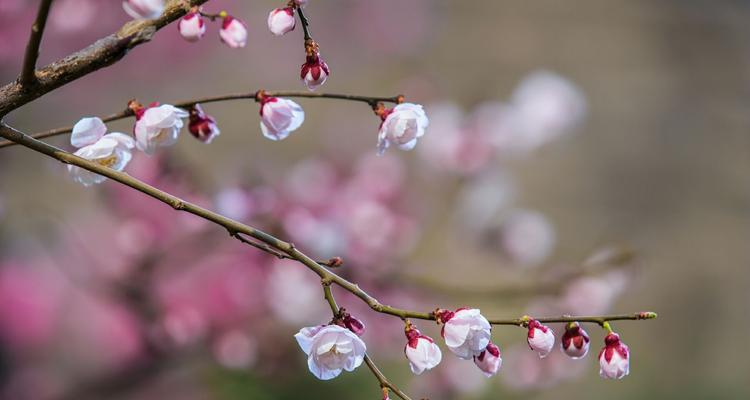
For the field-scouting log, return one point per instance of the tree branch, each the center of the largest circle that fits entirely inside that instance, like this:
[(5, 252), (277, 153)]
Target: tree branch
[(278, 245), (28, 70), (370, 100), (102, 53)]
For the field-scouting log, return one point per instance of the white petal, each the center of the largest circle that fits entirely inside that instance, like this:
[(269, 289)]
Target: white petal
[(87, 131)]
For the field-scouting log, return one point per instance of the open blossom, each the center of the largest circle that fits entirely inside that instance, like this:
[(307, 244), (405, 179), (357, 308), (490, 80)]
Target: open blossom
[(279, 117), (158, 126), (402, 126), (192, 27), (281, 21), (575, 341), (614, 359), (143, 9), (421, 351), (233, 32), (314, 71), (466, 331), (202, 125), (540, 338), (489, 361), (331, 349), (110, 150)]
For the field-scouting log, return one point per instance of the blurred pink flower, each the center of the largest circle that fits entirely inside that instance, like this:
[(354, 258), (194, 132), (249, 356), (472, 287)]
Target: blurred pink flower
[(527, 238), (234, 349), (233, 32), (29, 306), (293, 294)]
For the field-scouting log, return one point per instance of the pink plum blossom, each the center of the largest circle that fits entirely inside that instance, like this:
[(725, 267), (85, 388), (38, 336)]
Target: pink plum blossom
[(202, 125), (281, 21), (280, 117), (143, 9), (575, 341), (111, 150), (158, 126), (541, 338), (489, 361), (192, 27), (421, 351), (402, 126), (314, 71), (466, 331), (233, 32), (614, 358)]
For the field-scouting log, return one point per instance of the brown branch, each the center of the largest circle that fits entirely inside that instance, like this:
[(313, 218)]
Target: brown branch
[(102, 53), (370, 100), (235, 227), (28, 70)]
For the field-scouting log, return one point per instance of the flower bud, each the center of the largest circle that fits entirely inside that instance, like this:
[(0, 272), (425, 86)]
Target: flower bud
[(281, 21), (233, 32), (353, 324), (489, 361), (540, 338), (143, 9), (202, 125), (575, 341), (301, 3), (192, 27), (421, 351), (614, 358), (314, 71)]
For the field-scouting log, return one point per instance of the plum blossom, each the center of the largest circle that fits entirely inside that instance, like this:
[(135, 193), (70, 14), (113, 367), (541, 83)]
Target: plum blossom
[(157, 126), (233, 32), (330, 350), (575, 341), (314, 71), (353, 324), (489, 361), (279, 117), (614, 358), (421, 351), (402, 126), (466, 331), (540, 338), (281, 21), (202, 125), (143, 9), (301, 3), (527, 237), (192, 27), (111, 150)]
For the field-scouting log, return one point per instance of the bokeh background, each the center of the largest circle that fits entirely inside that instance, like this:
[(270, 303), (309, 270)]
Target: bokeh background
[(559, 130)]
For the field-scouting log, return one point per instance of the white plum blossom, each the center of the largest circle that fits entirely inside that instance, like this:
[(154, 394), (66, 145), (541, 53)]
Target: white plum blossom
[(279, 117), (143, 9), (466, 331), (331, 349), (314, 71), (540, 338), (158, 126), (402, 126), (111, 150), (192, 27), (614, 358), (421, 351), (489, 361), (281, 21), (233, 32), (575, 341)]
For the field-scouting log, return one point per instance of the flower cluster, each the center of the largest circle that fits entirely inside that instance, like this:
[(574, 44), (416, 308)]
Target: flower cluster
[(467, 334), (233, 32)]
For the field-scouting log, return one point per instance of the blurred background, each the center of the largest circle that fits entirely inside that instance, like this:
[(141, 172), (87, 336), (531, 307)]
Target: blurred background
[(582, 157)]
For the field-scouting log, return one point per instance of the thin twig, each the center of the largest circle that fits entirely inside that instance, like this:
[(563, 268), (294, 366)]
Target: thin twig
[(370, 100), (28, 71), (384, 382), (305, 24)]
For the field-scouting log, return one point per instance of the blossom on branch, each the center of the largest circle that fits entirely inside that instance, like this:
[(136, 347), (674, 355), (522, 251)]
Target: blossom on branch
[(281, 21), (331, 349), (614, 358), (157, 126), (575, 341), (540, 338), (401, 126), (279, 117), (143, 9), (466, 331), (192, 27), (202, 125), (489, 361), (421, 351), (314, 71), (233, 32), (111, 150)]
